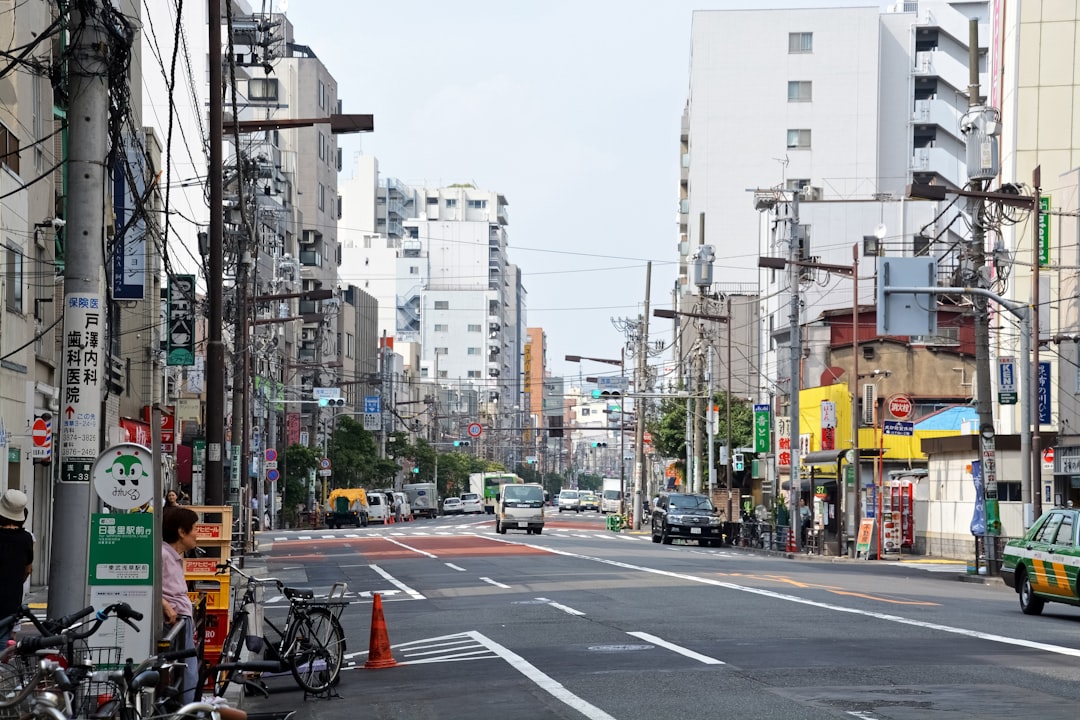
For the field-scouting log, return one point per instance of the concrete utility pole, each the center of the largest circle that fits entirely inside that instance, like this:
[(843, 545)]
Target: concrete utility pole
[(643, 379), (795, 345), (1031, 493), (977, 173), (81, 407), (214, 477)]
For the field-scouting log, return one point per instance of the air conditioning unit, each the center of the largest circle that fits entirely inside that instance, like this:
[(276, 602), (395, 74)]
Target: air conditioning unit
[(309, 334), (869, 402), (810, 192)]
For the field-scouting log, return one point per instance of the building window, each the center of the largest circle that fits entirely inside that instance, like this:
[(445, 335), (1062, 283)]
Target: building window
[(477, 204), (350, 343), (474, 328), (9, 149), (800, 42), (414, 270), (473, 374), (451, 202), (798, 139), (263, 89), (433, 201), (472, 351), (322, 146), (442, 351), (440, 327), (442, 304), (322, 197), (14, 272), (443, 374), (800, 91), (584, 411), (322, 94)]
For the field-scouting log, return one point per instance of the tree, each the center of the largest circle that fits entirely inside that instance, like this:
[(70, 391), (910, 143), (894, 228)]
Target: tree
[(300, 462), (668, 429), (355, 457)]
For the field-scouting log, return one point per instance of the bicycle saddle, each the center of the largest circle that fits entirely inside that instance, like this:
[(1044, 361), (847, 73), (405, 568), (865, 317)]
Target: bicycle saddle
[(299, 593)]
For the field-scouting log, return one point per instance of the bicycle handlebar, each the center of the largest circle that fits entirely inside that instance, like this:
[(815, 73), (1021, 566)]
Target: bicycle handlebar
[(228, 565)]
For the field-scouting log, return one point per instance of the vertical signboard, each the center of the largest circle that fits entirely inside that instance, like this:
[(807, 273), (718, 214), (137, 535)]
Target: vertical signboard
[(129, 250), (783, 442), (1044, 230), (1007, 381), (761, 428), (1044, 393), (181, 322), (828, 425), (121, 555), (80, 401)]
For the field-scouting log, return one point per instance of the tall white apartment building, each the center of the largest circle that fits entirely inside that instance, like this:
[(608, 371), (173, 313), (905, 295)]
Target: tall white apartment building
[(843, 107)]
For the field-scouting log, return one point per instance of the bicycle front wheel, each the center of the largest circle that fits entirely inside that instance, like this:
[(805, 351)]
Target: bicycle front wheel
[(315, 650), (230, 653)]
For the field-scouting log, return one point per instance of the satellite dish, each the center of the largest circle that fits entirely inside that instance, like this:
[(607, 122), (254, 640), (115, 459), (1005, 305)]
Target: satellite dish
[(881, 231)]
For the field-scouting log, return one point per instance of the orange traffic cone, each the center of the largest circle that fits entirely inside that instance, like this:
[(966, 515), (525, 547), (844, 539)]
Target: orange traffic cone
[(379, 655), (790, 542)]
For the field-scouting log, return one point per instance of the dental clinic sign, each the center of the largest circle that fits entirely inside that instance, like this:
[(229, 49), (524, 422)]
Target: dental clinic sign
[(181, 321)]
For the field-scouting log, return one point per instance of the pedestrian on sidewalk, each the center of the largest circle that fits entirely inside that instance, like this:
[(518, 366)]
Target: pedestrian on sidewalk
[(16, 552), (178, 537)]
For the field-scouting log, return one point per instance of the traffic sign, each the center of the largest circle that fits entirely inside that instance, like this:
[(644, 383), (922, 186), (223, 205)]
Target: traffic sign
[(475, 429), (1048, 458), (901, 407), (272, 475), (270, 455), (324, 463), (372, 404), (613, 382), (321, 393), (372, 421)]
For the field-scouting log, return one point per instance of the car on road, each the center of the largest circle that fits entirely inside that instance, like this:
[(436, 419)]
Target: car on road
[(688, 516), (569, 500), (589, 501), (471, 503), (1043, 565), (452, 506)]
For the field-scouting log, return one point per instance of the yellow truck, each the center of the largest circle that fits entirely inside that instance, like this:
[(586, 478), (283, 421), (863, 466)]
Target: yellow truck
[(347, 506)]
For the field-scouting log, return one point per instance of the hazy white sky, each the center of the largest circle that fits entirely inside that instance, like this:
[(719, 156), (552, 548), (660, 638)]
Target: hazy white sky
[(570, 109)]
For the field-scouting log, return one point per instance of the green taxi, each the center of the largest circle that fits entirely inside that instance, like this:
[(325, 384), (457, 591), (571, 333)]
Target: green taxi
[(1042, 566)]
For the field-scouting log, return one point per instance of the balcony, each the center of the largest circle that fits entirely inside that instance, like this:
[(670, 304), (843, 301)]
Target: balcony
[(935, 161), (937, 112), (311, 258), (935, 63), (501, 213)]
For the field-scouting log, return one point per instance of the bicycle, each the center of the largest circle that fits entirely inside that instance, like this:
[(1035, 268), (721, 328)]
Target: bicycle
[(311, 644)]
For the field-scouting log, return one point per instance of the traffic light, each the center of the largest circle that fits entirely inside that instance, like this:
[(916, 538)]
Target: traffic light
[(416, 471), (599, 444), (331, 402), (598, 394), (737, 462), (462, 443)]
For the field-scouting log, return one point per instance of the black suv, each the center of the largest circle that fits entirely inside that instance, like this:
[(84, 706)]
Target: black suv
[(687, 516)]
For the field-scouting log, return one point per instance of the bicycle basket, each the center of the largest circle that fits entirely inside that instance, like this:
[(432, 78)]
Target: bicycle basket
[(94, 688)]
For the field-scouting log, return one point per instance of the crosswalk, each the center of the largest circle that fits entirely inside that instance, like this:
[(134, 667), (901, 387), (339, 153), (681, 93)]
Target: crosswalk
[(463, 531)]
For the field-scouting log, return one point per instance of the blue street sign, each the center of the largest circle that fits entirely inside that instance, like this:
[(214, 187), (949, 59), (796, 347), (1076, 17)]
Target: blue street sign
[(897, 427), (372, 404)]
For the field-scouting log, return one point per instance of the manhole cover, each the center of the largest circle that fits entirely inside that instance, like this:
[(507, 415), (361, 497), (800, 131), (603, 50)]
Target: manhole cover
[(619, 648)]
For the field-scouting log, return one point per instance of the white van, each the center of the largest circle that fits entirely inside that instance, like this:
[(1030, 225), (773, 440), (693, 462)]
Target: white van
[(520, 507), (379, 508)]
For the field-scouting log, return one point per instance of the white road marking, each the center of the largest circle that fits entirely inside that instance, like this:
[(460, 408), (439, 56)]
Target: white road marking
[(303, 537), (452, 566), (543, 681), (559, 606), (496, 584), (978, 634), (415, 550), (676, 648), (398, 584)]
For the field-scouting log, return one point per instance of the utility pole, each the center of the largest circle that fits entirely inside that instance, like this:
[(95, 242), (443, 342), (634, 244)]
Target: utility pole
[(699, 382), (795, 345), (1031, 493), (980, 146), (643, 378), (214, 477), (84, 309)]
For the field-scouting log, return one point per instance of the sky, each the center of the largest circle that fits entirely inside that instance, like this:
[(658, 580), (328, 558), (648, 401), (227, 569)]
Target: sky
[(569, 109)]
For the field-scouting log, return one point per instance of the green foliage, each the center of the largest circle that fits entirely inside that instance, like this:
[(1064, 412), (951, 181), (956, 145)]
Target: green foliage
[(669, 427), (300, 461), (590, 482), (355, 457)]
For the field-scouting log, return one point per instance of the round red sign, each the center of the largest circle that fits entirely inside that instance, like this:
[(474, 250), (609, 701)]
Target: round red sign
[(1048, 455), (901, 407), (40, 433), (475, 429)]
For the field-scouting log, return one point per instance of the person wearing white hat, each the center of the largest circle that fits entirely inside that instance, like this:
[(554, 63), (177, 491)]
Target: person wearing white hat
[(16, 551)]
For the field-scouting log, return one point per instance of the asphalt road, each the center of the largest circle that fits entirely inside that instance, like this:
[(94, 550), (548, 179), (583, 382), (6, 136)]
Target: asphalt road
[(583, 623)]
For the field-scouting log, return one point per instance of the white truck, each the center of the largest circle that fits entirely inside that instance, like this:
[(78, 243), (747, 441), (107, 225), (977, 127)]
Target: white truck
[(611, 499), (486, 485), (423, 498), (519, 506)]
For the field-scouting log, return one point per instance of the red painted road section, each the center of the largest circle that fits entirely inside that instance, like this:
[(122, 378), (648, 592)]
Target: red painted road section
[(374, 548)]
